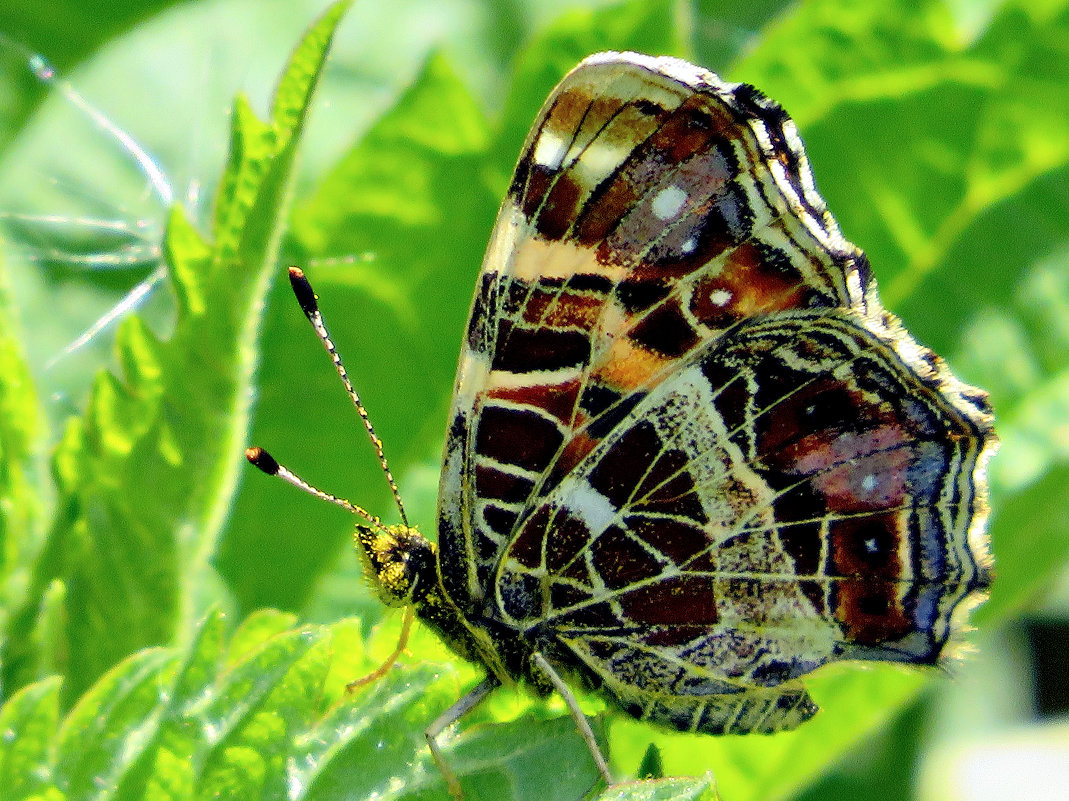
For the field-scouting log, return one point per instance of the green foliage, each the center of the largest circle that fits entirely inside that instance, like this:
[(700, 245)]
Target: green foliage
[(21, 445), (145, 476), (662, 790), (941, 144), (262, 714)]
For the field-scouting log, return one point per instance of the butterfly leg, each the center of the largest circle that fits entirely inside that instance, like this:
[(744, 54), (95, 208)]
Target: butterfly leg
[(581, 722), (384, 668), (447, 719)]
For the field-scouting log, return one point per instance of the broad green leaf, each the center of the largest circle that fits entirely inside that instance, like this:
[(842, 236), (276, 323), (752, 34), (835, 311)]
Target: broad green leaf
[(72, 24), (145, 477), (662, 790), (28, 724), (69, 32), (21, 434), (272, 722), (409, 197), (100, 738)]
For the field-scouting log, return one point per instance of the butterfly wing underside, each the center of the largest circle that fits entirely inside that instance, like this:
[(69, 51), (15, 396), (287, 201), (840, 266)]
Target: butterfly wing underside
[(791, 496), (680, 412)]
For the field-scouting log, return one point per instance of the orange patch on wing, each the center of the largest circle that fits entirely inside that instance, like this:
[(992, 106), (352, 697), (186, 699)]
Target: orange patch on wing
[(574, 451), (755, 289), (579, 114), (628, 367), (568, 111)]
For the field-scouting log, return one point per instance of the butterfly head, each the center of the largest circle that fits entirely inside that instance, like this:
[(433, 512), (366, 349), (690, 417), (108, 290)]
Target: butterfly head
[(402, 567), (399, 562)]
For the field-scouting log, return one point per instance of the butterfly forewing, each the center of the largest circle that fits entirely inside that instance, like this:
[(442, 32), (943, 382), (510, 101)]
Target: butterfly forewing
[(653, 207)]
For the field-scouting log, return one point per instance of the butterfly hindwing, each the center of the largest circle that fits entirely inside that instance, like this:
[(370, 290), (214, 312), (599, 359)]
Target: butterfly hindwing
[(789, 497)]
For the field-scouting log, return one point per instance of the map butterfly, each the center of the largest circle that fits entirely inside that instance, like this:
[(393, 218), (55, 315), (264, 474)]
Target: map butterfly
[(690, 457)]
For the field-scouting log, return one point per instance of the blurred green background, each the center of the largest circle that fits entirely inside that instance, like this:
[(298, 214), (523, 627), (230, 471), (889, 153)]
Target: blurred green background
[(939, 135)]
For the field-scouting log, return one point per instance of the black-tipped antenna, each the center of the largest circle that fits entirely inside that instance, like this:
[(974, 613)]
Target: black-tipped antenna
[(307, 298), (264, 461)]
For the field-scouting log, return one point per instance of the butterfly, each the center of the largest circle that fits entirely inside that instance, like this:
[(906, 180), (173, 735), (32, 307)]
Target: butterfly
[(690, 457)]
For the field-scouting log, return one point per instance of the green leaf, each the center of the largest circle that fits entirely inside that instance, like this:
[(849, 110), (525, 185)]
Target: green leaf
[(21, 433), (73, 25), (408, 196), (268, 717), (112, 717), (145, 477), (28, 721), (685, 789), (68, 33)]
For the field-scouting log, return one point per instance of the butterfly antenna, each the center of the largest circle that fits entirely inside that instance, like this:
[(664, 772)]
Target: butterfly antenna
[(306, 296), (264, 461)]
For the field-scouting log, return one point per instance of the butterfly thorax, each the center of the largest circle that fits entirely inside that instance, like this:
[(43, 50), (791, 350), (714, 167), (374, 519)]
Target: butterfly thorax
[(402, 567)]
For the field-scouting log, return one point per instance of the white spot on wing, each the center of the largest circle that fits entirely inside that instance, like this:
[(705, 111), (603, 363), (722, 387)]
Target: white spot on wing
[(669, 202), (549, 152), (720, 297), (591, 506), (600, 159)]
